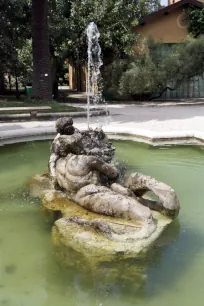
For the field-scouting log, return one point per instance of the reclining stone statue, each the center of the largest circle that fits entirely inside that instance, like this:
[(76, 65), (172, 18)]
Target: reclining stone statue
[(82, 165)]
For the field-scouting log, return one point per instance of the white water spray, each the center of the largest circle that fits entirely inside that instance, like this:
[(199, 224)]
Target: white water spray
[(94, 84)]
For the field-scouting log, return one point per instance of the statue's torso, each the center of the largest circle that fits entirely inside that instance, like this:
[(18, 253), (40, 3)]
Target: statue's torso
[(73, 172)]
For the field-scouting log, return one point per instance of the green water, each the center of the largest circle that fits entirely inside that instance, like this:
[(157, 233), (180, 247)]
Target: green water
[(30, 271)]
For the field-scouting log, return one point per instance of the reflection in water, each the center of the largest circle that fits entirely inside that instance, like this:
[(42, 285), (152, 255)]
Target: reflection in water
[(124, 277)]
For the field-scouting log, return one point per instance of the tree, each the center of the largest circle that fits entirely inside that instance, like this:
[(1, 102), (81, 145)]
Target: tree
[(115, 20), (59, 12), (41, 86), (196, 25), (68, 20), (14, 24), (25, 62), (152, 71)]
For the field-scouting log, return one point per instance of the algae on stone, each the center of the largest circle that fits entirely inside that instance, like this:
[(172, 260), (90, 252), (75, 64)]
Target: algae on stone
[(89, 240)]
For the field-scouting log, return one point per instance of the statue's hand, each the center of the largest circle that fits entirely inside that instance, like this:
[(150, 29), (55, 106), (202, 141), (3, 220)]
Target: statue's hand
[(122, 190), (104, 168)]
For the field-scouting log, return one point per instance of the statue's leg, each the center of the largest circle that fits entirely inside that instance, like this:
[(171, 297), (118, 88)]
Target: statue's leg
[(54, 157), (51, 165), (104, 201), (167, 198)]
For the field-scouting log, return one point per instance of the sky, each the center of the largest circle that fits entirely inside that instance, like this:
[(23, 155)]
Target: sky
[(164, 2)]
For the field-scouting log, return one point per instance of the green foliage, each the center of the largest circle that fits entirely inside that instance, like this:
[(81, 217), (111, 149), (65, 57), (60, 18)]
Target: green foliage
[(68, 20), (25, 62), (157, 66), (59, 25), (196, 16), (115, 20), (14, 24), (111, 78)]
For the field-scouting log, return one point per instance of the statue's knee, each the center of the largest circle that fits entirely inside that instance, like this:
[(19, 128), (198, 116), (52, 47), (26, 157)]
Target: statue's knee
[(147, 215), (142, 213)]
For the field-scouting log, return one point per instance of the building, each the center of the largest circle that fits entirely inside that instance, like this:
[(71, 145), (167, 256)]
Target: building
[(169, 25), (77, 77)]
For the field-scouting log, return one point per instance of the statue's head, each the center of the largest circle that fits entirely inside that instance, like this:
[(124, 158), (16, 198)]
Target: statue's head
[(64, 126), (92, 142)]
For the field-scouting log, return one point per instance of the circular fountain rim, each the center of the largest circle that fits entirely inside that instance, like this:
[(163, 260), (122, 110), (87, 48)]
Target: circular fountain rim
[(116, 133)]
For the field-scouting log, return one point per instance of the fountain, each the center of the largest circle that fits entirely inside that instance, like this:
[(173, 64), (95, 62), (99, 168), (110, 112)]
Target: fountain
[(103, 213), (100, 215), (94, 84)]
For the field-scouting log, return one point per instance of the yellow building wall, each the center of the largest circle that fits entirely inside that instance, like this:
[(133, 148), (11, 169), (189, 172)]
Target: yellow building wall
[(165, 28), (77, 77), (72, 76), (83, 79)]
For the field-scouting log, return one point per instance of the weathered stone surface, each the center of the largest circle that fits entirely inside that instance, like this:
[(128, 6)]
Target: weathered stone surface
[(99, 237), (63, 145), (63, 124), (167, 199), (96, 143), (100, 214), (54, 200), (106, 202), (77, 171), (93, 244)]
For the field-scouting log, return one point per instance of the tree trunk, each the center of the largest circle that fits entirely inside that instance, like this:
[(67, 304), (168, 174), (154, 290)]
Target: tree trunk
[(2, 84), (41, 85), (10, 87), (17, 94), (78, 77)]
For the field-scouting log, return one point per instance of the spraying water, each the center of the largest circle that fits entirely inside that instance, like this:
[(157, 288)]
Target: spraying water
[(94, 84)]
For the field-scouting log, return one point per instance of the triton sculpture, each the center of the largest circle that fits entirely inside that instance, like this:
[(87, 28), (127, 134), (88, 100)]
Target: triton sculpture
[(102, 211)]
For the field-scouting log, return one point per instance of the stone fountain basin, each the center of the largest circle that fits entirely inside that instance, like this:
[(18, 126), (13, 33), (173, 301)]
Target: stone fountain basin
[(89, 241)]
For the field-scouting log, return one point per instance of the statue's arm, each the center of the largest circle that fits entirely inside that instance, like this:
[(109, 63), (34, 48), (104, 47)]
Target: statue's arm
[(70, 144), (104, 168), (61, 146), (167, 198), (54, 156), (52, 164), (122, 190)]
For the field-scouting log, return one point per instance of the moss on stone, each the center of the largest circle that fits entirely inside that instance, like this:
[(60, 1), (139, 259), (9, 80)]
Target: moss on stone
[(89, 241)]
